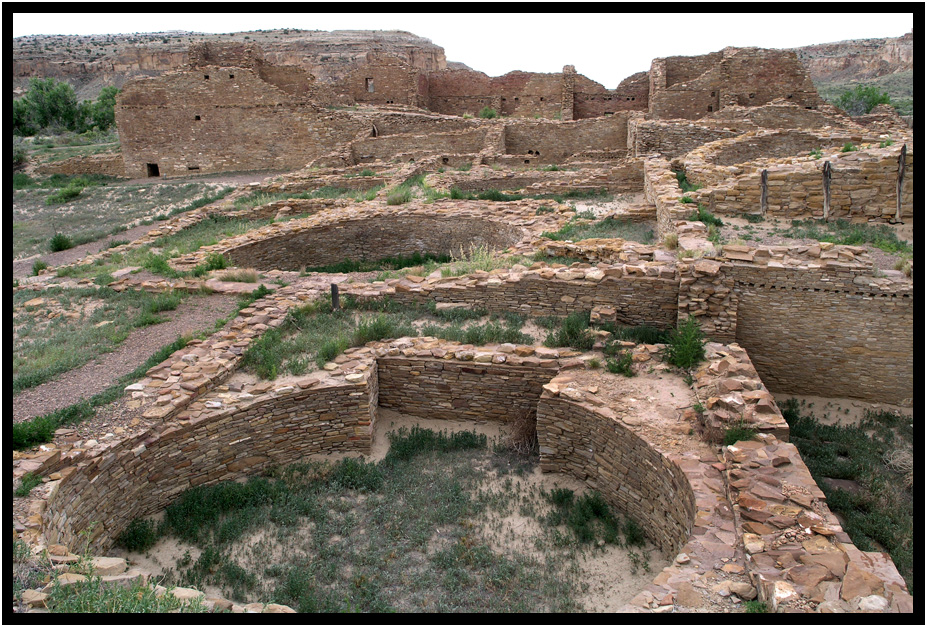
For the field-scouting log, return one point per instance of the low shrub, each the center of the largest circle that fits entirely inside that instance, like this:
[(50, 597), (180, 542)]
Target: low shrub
[(139, 536), (849, 147), (738, 433), (488, 113), (685, 346), (37, 266), (573, 331), (621, 364), (399, 197), (59, 242)]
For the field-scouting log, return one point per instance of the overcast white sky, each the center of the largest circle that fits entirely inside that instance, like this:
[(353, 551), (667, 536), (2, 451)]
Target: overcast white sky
[(606, 47)]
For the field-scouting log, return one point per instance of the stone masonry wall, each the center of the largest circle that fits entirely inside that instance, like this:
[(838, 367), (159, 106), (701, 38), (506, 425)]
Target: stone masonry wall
[(232, 120), (555, 141), (595, 447), (862, 340), (149, 471), (110, 165), (449, 389), (386, 147), (373, 239)]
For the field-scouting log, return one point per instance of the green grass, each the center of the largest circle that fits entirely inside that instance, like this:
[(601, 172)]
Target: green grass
[(880, 516), (314, 334), (98, 212), (582, 227), (95, 596), (385, 265), (41, 429), (704, 216), (43, 350), (738, 433), (847, 233), (28, 481), (573, 331)]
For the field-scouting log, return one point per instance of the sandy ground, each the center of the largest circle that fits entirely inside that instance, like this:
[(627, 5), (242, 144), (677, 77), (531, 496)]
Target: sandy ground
[(608, 571), (842, 411)]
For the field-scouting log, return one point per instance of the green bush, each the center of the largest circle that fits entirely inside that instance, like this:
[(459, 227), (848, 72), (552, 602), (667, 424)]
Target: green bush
[(65, 194), (139, 536), (488, 113), (686, 200), (356, 474), (703, 215), (37, 266), (861, 100), (59, 242), (621, 364), (849, 147), (685, 346), (573, 331)]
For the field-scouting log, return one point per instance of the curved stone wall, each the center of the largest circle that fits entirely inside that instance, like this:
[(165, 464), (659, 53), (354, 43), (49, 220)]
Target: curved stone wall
[(595, 447), (372, 239)]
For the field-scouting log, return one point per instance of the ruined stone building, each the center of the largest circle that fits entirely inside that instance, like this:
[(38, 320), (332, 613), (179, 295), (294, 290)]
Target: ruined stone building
[(228, 109)]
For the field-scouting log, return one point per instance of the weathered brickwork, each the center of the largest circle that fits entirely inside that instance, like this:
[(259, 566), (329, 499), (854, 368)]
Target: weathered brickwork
[(595, 447), (110, 165), (862, 183), (692, 87)]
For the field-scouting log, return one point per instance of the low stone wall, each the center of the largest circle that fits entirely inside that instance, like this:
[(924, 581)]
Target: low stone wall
[(434, 387), (594, 446), (799, 557), (110, 165), (863, 183), (385, 148), (143, 475), (373, 239)]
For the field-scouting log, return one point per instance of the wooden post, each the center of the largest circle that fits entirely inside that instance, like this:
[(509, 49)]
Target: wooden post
[(826, 176), (764, 192), (336, 299), (900, 190)]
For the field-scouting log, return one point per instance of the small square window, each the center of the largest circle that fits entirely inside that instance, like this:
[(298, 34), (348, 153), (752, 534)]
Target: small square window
[(205, 77), (196, 117)]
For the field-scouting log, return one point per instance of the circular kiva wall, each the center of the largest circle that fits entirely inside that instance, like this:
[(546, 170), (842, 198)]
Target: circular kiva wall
[(372, 239), (752, 146), (144, 474)]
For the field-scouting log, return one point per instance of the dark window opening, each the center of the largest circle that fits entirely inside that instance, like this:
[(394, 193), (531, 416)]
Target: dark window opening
[(368, 85), (193, 167), (632, 97), (527, 161), (153, 170), (206, 77), (789, 96), (196, 117), (231, 76), (609, 113), (712, 94), (752, 95), (542, 98), (710, 108), (444, 159)]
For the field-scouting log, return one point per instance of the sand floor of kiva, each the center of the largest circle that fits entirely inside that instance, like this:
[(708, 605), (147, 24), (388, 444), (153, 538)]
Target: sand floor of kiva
[(610, 575)]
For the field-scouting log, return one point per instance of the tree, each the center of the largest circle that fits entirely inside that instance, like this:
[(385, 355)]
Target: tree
[(861, 100), (51, 104)]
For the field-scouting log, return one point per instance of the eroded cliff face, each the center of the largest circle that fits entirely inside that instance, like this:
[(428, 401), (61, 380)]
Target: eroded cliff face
[(858, 59), (90, 63)]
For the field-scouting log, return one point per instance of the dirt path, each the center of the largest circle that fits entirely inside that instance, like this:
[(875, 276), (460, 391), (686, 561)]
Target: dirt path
[(196, 313)]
